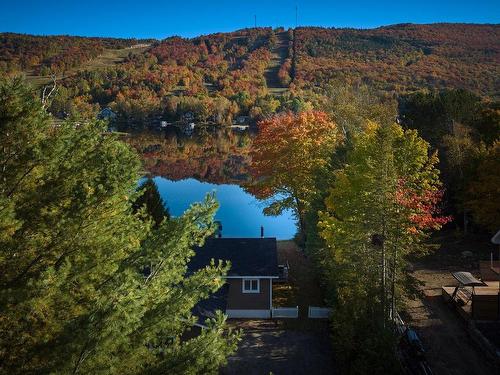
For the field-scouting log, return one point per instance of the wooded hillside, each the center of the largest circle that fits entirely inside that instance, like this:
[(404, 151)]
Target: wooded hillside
[(45, 54), (402, 58), (216, 78)]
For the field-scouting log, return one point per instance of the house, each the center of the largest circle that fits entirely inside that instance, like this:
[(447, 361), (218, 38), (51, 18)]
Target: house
[(188, 129), (248, 292), (107, 114)]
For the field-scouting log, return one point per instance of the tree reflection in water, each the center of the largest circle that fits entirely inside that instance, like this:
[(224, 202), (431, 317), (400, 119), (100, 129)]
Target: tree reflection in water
[(211, 159), (211, 154)]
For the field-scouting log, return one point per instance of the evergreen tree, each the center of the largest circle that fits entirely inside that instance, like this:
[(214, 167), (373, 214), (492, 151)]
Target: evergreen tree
[(152, 201), (73, 298)]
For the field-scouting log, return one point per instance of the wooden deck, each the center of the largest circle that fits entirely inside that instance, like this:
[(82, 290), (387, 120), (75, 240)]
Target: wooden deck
[(484, 304)]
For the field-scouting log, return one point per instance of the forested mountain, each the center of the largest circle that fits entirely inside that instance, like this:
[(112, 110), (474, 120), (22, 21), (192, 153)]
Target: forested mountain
[(402, 58), (219, 76), (53, 54)]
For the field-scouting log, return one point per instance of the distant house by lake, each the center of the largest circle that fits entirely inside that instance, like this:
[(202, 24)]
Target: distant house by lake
[(106, 114), (242, 120), (241, 123)]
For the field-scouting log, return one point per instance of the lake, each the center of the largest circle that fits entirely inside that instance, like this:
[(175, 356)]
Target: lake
[(187, 167), (240, 213)]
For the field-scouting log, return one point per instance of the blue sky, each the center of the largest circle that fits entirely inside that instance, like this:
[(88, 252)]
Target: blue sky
[(162, 18)]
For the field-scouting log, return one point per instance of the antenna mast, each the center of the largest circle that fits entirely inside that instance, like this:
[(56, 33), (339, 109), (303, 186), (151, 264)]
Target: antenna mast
[(296, 14)]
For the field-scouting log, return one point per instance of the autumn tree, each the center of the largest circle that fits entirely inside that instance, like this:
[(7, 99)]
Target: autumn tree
[(460, 126), (483, 192), (460, 153), (74, 297), (351, 107), (284, 72), (287, 152), (382, 204)]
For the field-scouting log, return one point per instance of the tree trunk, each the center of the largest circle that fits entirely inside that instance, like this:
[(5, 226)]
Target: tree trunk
[(300, 215), (393, 283), (384, 300)]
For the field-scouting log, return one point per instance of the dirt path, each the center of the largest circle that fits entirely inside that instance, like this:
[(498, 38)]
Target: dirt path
[(279, 54), (449, 350)]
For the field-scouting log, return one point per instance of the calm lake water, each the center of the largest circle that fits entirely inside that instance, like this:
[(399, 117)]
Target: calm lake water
[(240, 213), (187, 167)]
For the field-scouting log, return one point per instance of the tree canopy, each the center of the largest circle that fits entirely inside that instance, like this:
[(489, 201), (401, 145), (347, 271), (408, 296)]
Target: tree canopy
[(74, 296), (383, 202), (463, 129), (287, 152)]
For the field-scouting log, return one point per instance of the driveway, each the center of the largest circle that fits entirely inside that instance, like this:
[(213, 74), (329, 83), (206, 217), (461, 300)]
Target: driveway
[(288, 346), (269, 347)]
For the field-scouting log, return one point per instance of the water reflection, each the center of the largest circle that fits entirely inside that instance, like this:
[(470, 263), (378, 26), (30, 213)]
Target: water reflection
[(186, 167), (211, 154)]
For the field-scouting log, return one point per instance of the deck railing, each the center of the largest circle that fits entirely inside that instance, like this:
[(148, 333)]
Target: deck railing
[(319, 312), (285, 312)]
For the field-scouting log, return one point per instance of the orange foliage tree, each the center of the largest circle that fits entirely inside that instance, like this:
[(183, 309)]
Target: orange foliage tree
[(288, 151)]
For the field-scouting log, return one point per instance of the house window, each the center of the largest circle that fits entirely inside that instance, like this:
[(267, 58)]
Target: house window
[(251, 286)]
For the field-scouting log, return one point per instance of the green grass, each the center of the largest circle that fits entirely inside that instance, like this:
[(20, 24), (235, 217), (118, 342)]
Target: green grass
[(108, 58)]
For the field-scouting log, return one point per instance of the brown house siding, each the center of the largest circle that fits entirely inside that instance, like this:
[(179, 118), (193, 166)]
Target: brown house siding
[(237, 300)]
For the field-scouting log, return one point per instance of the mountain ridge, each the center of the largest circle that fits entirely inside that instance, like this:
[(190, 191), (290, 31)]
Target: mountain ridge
[(255, 72)]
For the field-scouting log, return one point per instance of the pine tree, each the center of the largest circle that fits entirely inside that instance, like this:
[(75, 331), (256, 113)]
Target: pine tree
[(152, 201), (73, 297)]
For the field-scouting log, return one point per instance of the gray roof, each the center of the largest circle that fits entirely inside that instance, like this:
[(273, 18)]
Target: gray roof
[(248, 256)]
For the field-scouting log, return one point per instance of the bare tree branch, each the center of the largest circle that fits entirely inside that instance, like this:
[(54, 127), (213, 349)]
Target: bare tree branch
[(46, 95)]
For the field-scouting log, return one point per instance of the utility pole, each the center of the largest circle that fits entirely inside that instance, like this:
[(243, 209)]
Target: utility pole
[(296, 15), (255, 20)]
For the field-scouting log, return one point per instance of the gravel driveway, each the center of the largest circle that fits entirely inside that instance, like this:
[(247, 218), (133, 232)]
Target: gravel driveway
[(267, 348)]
